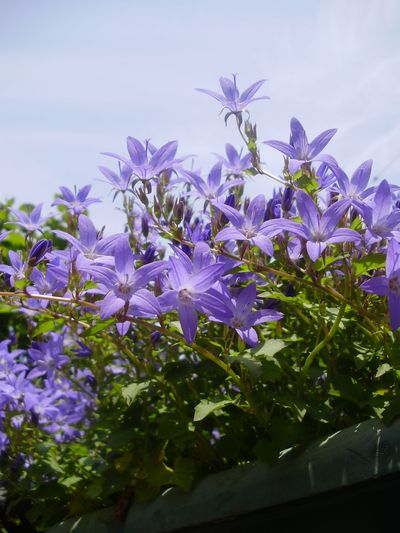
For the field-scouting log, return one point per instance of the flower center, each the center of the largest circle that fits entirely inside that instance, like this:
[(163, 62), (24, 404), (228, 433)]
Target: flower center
[(185, 296), (237, 322)]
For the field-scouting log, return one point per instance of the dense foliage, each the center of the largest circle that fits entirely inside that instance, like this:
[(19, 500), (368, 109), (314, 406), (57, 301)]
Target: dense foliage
[(213, 330)]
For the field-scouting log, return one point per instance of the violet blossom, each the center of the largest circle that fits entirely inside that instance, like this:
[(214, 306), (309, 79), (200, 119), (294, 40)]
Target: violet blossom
[(189, 283), (29, 221), (249, 227), (299, 150), (212, 189), (234, 162), (231, 98), (243, 317), (389, 284), (146, 162), (76, 202)]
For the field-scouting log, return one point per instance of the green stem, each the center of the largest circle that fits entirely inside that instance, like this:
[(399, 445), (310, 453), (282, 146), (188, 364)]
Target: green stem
[(325, 340)]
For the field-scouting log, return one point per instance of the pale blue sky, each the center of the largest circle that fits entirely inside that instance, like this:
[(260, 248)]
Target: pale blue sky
[(78, 77)]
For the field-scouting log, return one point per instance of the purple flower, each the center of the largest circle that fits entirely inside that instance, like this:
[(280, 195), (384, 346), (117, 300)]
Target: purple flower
[(76, 202), (317, 230), (243, 318), (388, 285), (146, 162), (249, 227), (124, 286), (190, 282), (231, 99), (92, 245), (30, 222), (16, 388), (48, 357), (212, 189), (235, 163), (4, 235), (43, 284), (17, 269), (121, 182), (380, 218), (9, 360), (354, 190), (299, 150)]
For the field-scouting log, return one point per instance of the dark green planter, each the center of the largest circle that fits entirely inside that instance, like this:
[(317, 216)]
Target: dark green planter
[(348, 481)]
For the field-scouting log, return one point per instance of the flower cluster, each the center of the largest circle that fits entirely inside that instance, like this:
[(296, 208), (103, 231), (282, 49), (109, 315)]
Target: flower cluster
[(200, 275)]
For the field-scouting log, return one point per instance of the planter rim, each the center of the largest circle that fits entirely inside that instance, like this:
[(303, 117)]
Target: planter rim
[(362, 452)]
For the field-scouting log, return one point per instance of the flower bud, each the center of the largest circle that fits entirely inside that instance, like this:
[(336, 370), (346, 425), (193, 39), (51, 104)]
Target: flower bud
[(149, 254), (179, 209), (145, 226), (287, 199), (38, 251), (155, 337)]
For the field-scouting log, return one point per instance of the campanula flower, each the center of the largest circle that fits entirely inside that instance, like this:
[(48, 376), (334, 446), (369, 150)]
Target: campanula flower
[(231, 99), (248, 227), (317, 230), (17, 268), (91, 243), (388, 285), (121, 182), (234, 162), (146, 162), (380, 217), (122, 286), (299, 150), (243, 318), (189, 283), (76, 202), (212, 189), (30, 222)]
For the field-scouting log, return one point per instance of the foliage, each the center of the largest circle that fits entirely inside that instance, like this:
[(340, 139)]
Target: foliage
[(213, 330)]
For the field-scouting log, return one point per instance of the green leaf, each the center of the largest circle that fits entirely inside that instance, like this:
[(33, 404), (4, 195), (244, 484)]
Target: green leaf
[(205, 408), (132, 391), (253, 366), (370, 262), (183, 475), (47, 325), (98, 327), (269, 348), (53, 462), (69, 481), (5, 308), (383, 369)]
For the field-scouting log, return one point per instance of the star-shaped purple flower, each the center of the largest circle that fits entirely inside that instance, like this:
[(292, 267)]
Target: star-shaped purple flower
[(299, 150), (76, 202), (243, 317), (30, 222), (125, 286), (190, 282), (249, 227), (212, 189), (317, 230), (388, 285), (231, 98), (234, 162), (146, 162)]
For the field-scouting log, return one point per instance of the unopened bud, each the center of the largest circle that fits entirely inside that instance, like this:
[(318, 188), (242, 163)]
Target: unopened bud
[(38, 251), (145, 226), (149, 254), (287, 199)]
